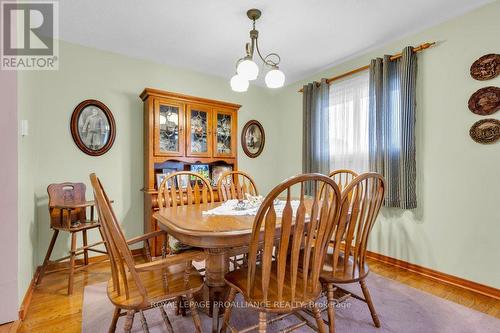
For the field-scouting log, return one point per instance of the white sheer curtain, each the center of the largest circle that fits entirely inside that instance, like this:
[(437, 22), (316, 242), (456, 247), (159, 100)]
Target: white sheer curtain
[(348, 123)]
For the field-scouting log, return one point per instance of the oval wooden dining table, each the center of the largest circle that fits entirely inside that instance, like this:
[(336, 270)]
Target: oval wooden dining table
[(221, 236)]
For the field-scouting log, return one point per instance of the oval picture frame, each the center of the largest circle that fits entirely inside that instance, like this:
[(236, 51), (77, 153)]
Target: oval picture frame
[(93, 127), (253, 138)]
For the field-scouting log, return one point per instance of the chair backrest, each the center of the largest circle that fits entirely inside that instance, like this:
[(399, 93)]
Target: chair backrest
[(65, 193), (234, 185), (361, 202), (306, 229), (342, 177), (184, 188), (118, 251)]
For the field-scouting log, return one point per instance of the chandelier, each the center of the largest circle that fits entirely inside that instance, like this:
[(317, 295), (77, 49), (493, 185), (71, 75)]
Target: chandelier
[(247, 70)]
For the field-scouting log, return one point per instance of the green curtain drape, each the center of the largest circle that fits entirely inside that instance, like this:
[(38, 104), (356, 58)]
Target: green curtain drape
[(315, 143), (392, 148)]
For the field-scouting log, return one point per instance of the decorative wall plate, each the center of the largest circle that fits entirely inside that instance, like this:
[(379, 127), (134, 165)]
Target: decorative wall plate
[(93, 127), (485, 131), (485, 101), (485, 68)]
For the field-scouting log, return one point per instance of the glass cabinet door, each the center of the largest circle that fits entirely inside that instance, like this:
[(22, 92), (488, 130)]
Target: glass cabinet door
[(169, 122), (199, 139), (225, 132)]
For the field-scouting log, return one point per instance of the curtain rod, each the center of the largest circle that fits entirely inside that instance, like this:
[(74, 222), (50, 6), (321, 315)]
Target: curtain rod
[(360, 69)]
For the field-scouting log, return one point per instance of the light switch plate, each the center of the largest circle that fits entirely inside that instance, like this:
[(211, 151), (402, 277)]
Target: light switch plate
[(24, 128)]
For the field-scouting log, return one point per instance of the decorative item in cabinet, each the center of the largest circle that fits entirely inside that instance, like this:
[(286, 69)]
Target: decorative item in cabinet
[(218, 171), (181, 131), (225, 134)]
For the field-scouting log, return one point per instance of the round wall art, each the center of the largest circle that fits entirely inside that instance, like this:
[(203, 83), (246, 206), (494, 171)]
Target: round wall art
[(485, 68), (485, 101), (253, 138), (485, 131), (93, 127)]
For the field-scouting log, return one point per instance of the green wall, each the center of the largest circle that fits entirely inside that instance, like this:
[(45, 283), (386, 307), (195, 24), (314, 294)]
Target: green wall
[(456, 226)]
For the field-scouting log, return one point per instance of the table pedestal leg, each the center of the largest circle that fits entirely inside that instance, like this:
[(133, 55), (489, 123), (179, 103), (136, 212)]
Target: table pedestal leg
[(215, 290)]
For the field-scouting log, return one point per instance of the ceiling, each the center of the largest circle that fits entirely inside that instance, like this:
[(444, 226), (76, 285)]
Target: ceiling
[(209, 36)]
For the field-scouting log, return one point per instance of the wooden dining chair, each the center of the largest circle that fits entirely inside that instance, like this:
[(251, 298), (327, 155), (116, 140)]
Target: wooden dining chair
[(139, 287), (180, 189), (342, 177), (235, 185), (282, 285), (68, 213), (345, 262)]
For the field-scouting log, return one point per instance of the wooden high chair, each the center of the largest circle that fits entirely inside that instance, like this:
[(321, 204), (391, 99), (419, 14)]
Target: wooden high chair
[(68, 212)]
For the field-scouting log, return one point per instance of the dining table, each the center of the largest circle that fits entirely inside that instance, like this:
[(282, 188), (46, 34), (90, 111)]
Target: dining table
[(220, 236)]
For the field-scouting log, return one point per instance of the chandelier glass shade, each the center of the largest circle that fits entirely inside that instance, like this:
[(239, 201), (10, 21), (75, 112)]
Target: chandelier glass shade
[(247, 70)]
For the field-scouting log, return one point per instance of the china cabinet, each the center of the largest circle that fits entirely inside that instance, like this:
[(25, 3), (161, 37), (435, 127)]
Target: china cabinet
[(181, 131)]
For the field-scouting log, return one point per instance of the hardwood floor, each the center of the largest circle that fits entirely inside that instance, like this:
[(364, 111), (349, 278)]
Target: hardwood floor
[(51, 310)]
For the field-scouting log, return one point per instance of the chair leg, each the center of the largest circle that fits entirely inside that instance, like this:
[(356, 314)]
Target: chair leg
[(262, 322), (227, 313), (72, 263), (129, 321), (47, 256), (85, 251), (331, 308), (144, 323), (319, 320), (194, 312), (166, 320), (369, 301), (116, 315)]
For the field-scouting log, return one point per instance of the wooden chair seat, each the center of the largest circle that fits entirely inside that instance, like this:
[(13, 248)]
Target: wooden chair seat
[(85, 225), (238, 279), (344, 273), (154, 284)]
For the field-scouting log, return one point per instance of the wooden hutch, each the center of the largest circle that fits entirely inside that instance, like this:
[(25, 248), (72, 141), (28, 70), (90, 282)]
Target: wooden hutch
[(181, 131)]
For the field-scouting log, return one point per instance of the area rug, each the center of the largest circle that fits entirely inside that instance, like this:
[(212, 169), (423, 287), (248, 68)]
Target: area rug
[(401, 309)]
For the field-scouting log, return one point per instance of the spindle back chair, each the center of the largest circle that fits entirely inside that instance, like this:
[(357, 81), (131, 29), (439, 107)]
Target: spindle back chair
[(179, 189), (235, 185), (345, 262), (184, 188), (137, 287), (342, 177), (300, 232)]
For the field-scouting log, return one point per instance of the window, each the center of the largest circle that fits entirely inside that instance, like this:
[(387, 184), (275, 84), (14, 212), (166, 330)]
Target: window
[(348, 127)]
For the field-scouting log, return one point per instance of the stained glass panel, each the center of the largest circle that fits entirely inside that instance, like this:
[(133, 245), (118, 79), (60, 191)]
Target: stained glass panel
[(169, 128), (223, 133), (199, 131)]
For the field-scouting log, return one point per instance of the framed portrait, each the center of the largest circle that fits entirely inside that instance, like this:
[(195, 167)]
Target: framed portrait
[(93, 127), (218, 171), (253, 138)]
